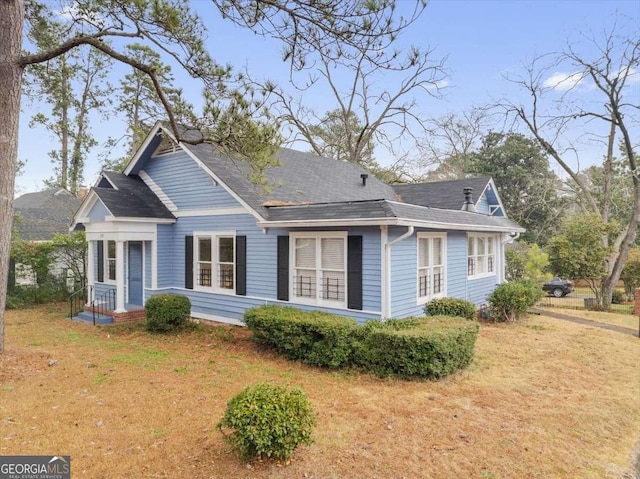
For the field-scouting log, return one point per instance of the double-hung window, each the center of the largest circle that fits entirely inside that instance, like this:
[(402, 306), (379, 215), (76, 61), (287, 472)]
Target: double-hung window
[(215, 261), (110, 259), (480, 255), (431, 266), (319, 267)]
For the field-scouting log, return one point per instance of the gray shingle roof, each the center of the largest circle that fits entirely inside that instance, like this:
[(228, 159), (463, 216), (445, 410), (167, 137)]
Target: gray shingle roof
[(441, 194), (302, 178), (132, 198), (384, 209), (40, 215)]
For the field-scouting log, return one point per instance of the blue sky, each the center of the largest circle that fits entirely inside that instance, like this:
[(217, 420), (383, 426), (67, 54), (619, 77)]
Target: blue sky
[(483, 40)]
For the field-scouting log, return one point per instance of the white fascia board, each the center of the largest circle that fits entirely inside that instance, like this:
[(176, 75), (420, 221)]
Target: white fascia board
[(384, 222), (82, 215), (145, 144), (106, 177), (153, 186), (121, 231)]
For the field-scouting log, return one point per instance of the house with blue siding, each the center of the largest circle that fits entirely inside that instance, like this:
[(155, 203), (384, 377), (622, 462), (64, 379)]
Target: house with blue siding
[(183, 218)]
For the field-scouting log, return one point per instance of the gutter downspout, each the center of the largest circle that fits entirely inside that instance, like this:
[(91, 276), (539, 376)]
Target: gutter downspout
[(386, 271), (503, 260)]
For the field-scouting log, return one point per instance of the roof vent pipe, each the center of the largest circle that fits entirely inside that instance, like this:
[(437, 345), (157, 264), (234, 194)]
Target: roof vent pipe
[(468, 200), (364, 177)]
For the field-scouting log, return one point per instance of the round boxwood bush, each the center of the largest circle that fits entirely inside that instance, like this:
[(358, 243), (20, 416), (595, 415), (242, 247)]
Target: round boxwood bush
[(267, 420), (510, 301), (167, 312), (451, 307), (417, 348)]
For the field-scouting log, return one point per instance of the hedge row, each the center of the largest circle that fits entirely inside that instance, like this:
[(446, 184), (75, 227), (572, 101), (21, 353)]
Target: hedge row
[(430, 347)]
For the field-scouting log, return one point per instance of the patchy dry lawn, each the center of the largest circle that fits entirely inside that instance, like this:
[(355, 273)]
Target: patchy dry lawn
[(543, 399)]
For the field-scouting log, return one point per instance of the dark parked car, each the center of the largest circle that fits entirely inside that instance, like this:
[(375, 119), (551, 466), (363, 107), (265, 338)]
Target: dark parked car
[(558, 287)]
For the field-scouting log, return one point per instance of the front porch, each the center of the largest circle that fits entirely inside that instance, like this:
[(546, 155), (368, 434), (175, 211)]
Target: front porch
[(105, 314)]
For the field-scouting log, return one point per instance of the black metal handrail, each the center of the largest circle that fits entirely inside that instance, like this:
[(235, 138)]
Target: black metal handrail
[(103, 304), (76, 302)]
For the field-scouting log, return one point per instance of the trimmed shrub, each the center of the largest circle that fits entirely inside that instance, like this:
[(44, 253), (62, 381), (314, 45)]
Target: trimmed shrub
[(167, 312), (617, 297), (313, 337), (428, 348), (510, 301), (268, 421), (451, 307)]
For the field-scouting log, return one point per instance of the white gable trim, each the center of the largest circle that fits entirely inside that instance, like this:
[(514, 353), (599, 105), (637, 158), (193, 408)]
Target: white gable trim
[(82, 215), (159, 127), (153, 186), (493, 187), (145, 144)]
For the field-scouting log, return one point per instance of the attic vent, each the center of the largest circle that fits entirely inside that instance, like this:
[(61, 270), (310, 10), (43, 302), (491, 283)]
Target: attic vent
[(167, 145)]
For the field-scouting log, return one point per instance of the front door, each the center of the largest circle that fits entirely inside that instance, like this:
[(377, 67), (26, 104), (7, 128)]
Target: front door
[(135, 273)]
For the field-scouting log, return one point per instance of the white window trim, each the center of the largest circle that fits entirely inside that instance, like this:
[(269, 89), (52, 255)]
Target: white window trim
[(443, 292), (486, 255), (214, 235), (318, 236), (105, 261)]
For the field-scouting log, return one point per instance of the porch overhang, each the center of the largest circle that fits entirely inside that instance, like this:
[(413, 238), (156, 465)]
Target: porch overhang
[(123, 230), (387, 222)]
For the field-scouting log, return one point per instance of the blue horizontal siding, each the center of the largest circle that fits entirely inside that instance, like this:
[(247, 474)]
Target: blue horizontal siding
[(480, 289), (186, 183), (482, 206), (233, 307), (98, 212), (167, 244), (457, 264), (404, 275)]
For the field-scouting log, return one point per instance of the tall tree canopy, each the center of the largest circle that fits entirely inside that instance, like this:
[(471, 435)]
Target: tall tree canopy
[(528, 188), (373, 92), (230, 115), (592, 90)]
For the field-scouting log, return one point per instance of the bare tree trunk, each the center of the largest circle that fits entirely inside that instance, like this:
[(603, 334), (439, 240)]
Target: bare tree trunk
[(11, 20)]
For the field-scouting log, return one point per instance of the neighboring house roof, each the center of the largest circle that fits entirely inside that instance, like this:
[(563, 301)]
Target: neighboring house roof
[(40, 215), (441, 194), (130, 197)]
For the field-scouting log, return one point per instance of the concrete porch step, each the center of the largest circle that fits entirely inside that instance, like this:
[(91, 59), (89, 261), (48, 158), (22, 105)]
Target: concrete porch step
[(87, 317)]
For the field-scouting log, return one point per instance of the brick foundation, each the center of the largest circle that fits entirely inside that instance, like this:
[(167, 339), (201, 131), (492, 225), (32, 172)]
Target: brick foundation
[(129, 316)]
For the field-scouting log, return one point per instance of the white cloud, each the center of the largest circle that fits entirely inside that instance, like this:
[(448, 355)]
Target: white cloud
[(633, 77), (564, 81)]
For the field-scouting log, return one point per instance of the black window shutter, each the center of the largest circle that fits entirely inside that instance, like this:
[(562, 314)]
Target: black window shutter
[(188, 262), (100, 246), (283, 268), (354, 272), (241, 265)]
